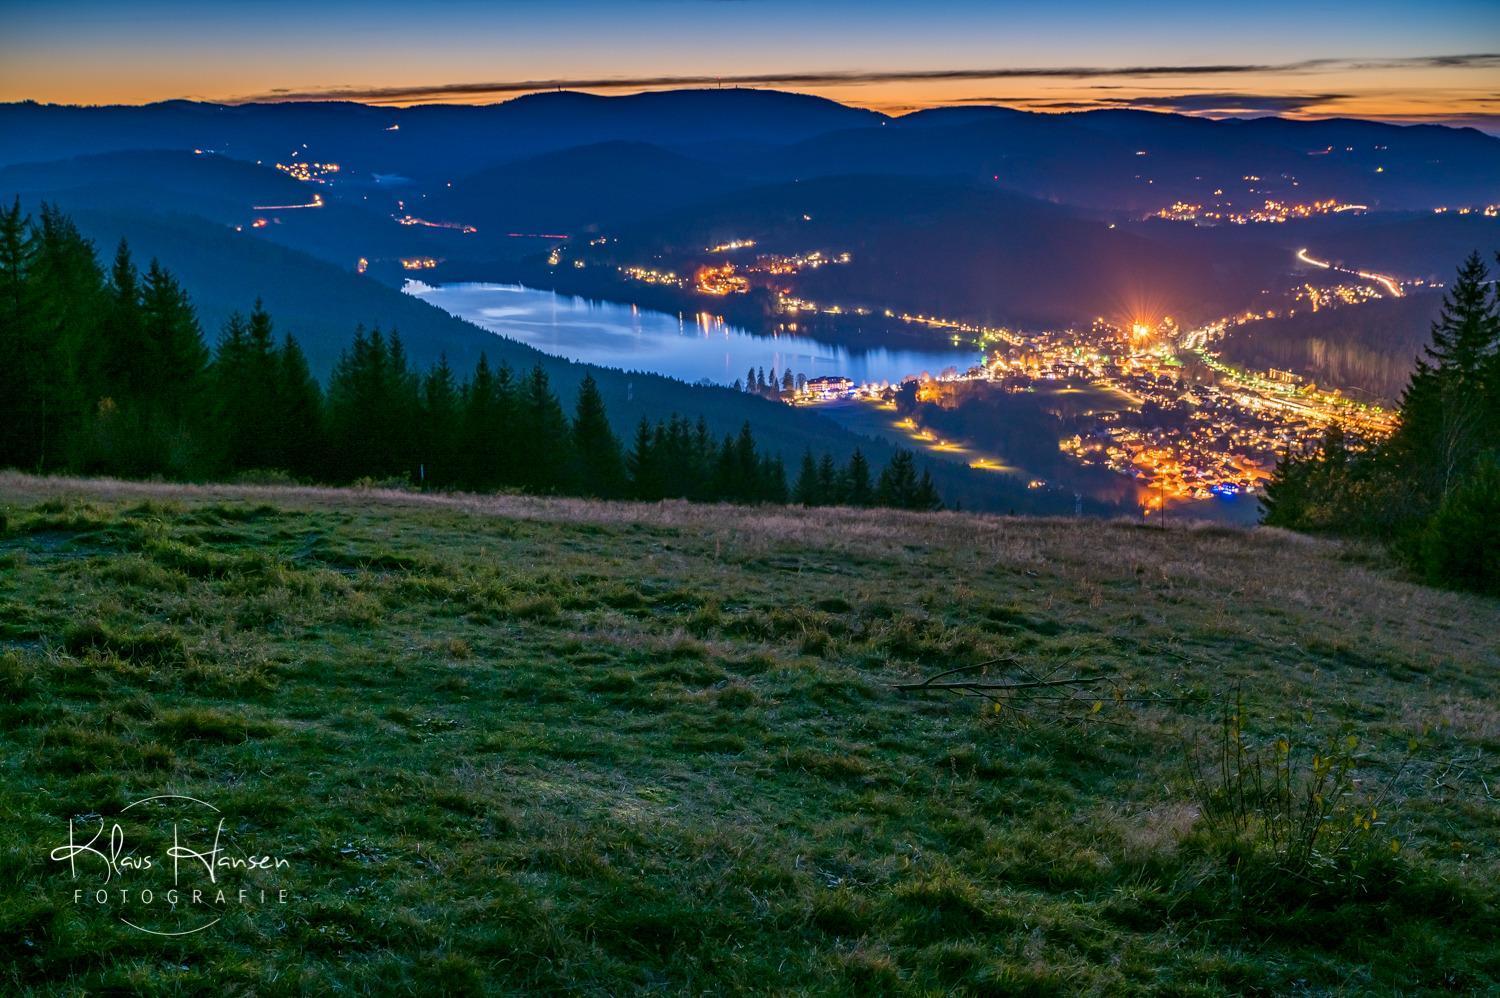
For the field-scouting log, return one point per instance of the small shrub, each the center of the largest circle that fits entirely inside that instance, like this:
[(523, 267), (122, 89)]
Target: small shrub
[(1290, 829)]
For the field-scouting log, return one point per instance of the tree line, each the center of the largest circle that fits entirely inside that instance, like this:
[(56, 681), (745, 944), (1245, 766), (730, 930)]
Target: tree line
[(758, 383), (1433, 488), (823, 483), (109, 373)]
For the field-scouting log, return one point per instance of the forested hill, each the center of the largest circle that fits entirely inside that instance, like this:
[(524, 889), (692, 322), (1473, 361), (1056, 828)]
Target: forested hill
[(1371, 349), (323, 306)]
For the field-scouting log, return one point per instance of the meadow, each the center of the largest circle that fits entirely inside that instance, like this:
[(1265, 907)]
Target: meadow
[(514, 744)]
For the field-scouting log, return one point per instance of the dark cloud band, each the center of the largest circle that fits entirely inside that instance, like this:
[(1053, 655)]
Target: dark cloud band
[(406, 95)]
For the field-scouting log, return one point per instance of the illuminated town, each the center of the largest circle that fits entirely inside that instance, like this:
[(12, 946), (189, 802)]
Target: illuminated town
[(1172, 416), (731, 246), (1269, 211), (721, 281), (1179, 422), (1219, 434), (306, 172), (1488, 211)]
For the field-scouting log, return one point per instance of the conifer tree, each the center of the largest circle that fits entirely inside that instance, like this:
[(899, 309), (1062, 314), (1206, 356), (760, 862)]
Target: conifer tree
[(506, 442), (371, 407), (898, 486), (17, 338), (645, 481), (256, 442), (483, 423), (829, 491), (66, 288), (601, 471), (806, 491), (542, 437), (232, 422), (175, 358), (858, 490), (927, 494), (771, 486), (16, 256), (722, 477), (1489, 380), (744, 479), (1284, 500), (698, 460), (1446, 409), (297, 412), (122, 347), (438, 438), (402, 409)]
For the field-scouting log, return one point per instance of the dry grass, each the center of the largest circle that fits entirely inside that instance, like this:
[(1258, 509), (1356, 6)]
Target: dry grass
[(522, 743)]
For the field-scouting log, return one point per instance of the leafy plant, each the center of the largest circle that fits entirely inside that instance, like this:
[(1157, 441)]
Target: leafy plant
[(1290, 825)]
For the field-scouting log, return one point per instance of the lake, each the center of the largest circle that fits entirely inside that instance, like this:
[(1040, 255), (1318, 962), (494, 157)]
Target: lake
[(690, 348), (704, 348)]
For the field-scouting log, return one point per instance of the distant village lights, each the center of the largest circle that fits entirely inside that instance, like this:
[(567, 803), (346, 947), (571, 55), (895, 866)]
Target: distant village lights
[(316, 173)]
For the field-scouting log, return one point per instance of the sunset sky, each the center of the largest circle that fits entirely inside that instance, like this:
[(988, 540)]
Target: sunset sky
[(1395, 61)]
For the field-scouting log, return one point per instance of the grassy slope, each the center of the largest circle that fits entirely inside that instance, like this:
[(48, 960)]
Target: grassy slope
[(518, 743)]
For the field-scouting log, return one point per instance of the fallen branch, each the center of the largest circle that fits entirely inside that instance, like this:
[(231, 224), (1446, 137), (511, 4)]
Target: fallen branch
[(933, 684)]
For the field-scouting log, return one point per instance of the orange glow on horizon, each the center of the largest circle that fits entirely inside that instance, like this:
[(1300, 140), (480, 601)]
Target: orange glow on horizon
[(1402, 95)]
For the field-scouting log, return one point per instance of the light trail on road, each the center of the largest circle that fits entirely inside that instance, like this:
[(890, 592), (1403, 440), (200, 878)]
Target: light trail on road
[(1389, 283), (316, 202), (1302, 255)]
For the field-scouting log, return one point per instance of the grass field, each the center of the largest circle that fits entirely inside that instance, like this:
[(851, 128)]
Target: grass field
[(511, 744)]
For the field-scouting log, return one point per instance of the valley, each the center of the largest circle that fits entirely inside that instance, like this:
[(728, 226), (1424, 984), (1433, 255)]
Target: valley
[(710, 268), (802, 497)]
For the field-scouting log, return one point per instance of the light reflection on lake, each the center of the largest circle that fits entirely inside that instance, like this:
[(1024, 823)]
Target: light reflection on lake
[(690, 348)]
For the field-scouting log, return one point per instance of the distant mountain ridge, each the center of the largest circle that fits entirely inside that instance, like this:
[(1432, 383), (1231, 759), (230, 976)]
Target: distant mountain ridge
[(1089, 158), (435, 141)]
